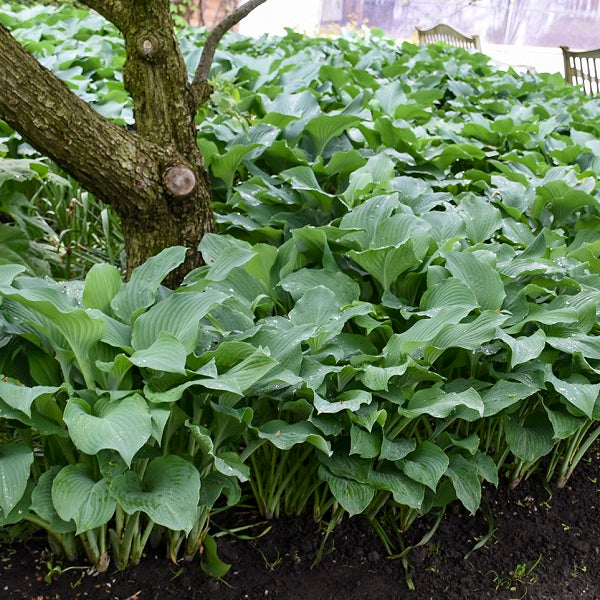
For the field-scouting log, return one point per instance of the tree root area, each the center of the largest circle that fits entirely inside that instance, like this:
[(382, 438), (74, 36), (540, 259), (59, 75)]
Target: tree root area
[(542, 547)]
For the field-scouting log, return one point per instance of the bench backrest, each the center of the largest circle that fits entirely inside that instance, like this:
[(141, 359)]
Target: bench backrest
[(582, 69), (449, 35)]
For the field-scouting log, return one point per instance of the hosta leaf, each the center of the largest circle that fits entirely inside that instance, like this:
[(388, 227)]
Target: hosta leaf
[(354, 497), (504, 394), (404, 490), (178, 315), (140, 291), (102, 284), (402, 227), (229, 464), (17, 514), (578, 392), (369, 215), (564, 424), (449, 292), (529, 441), (486, 467), (325, 127), (15, 461), (465, 480), (396, 449), (228, 260), (482, 219), (317, 307), (159, 416), (561, 200), (225, 166), (285, 435), (211, 564), (524, 349), (42, 505), (81, 329), (122, 425), (298, 105), (167, 354), (8, 273), (367, 444), (377, 378), (168, 493), (470, 335), (426, 464), (77, 495), (344, 288), (439, 404), (425, 330), (22, 397), (351, 467), (587, 345), (377, 172), (244, 374), (454, 152), (386, 264), (351, 400), (482, 279)]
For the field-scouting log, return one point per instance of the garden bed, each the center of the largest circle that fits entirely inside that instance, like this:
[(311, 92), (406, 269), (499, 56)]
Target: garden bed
[(399, 312), (543, 547)]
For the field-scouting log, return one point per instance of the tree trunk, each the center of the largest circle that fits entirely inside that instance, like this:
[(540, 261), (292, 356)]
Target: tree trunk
[(164, 109), (153, 177)]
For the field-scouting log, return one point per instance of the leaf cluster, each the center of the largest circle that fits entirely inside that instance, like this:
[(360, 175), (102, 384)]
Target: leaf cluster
[(402, 304)]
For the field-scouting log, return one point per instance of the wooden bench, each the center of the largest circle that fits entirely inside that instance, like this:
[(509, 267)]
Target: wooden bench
[(449, 35), (582, 69)]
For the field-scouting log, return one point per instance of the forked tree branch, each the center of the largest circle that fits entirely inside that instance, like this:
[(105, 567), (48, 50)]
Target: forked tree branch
[(112, 163), (111, 10), (200, 86)]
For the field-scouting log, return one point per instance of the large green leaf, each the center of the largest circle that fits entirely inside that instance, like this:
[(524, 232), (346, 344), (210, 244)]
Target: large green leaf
[(22, 397), (386, 264), (526, 348), (578, 391), (425, 330), (77, 495), (405, 491), (102, 284), (179, 315), (122, 425), (531, 440), (344, 288), (482, 279), (140, 291), (80, 329), (470, 335), (426, 464), (168, 493), (9, 272), (285, 435), (42, 505), (353, 496), (324, 128), (504, 394), (367, 444), (167, 354), (465, 480), (439, 404), (15, 460)]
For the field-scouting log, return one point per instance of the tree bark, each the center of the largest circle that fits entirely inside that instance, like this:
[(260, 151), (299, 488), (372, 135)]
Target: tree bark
[(154, 177), (125, 169)]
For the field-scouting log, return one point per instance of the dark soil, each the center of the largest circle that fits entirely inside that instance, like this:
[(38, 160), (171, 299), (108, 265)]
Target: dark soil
[(543, 547)]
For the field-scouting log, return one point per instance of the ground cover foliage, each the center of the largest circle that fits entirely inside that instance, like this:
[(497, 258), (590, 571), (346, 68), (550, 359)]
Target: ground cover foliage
[(401, 304)]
